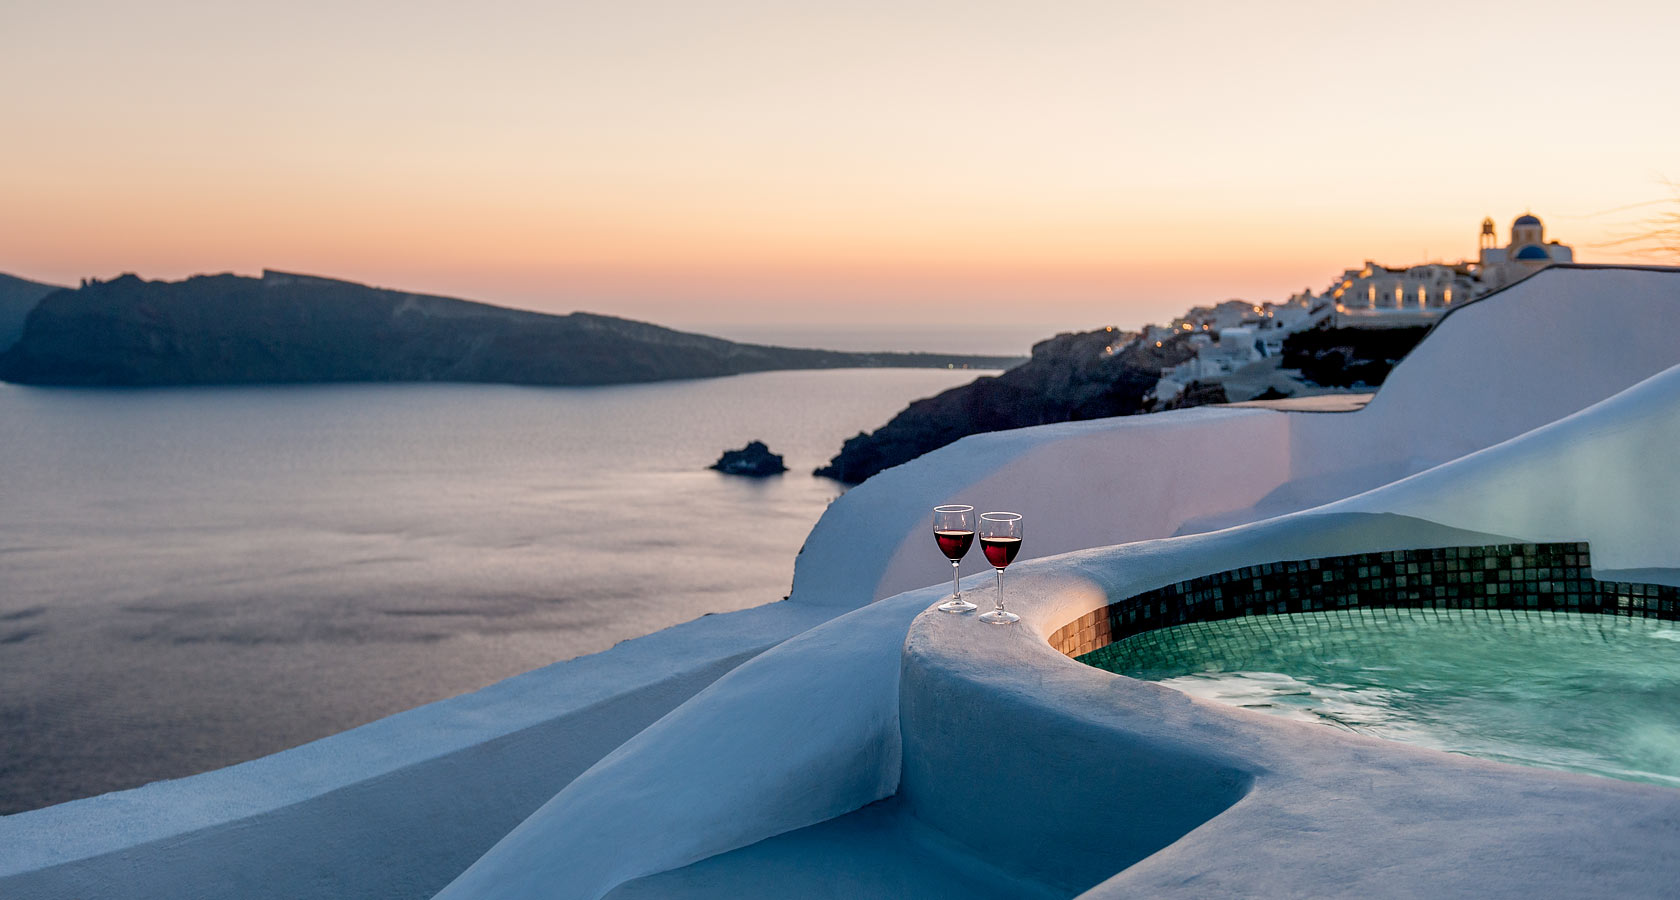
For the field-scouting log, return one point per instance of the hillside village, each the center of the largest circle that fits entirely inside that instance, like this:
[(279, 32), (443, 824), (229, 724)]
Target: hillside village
[(1239, 346), (1341, 341)]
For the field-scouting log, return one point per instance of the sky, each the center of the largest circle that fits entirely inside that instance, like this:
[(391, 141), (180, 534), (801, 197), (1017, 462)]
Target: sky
[(858, 164)]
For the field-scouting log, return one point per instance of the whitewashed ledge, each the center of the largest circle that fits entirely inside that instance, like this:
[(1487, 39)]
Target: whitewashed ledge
[(399, 807)]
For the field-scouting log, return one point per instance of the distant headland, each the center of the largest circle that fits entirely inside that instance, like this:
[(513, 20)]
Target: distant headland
[(17, 297), (288, 328)]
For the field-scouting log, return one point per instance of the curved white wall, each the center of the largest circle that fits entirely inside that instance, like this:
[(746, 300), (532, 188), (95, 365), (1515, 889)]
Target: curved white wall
[(1503, 365)]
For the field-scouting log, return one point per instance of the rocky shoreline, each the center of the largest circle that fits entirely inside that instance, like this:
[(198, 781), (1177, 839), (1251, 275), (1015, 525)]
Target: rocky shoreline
[(1096, 374), (1073, 376)]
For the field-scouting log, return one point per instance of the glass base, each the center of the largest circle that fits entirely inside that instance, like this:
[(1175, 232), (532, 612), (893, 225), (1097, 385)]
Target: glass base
[(999, 617), (956, 605)]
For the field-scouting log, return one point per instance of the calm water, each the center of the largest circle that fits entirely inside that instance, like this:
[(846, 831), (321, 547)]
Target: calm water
[(194, 577), (1587, 693), (960, 337)]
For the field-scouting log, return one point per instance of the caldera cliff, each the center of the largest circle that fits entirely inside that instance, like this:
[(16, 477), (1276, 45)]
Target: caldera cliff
[(282, 328)]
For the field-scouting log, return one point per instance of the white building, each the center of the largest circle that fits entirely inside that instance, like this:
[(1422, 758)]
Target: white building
[(1213, 319), (1528, 252), (1372, 296), (1378, 296), (1236, 347)]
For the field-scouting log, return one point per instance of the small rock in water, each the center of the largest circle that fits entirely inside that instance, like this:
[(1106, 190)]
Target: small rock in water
[(753, 459)]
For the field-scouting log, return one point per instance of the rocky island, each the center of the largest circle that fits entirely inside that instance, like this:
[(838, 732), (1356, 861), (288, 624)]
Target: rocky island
[(755, 459), (284, 328)]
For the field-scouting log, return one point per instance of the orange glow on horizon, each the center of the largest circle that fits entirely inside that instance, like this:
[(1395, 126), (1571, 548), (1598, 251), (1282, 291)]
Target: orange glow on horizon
[(746, 163)]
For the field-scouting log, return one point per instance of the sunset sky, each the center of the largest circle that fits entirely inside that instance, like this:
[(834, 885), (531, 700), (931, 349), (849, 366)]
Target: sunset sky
[(703, 163)]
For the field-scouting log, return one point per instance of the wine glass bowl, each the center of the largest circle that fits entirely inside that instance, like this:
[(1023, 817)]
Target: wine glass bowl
[(1000, 540), (953, 531)]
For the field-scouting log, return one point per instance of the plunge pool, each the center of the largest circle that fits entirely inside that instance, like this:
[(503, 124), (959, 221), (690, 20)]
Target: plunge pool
[(1581, 692)]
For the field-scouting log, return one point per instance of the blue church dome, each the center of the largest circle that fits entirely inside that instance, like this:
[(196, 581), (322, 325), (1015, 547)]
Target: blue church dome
[(1532, 251), (1526, 219)]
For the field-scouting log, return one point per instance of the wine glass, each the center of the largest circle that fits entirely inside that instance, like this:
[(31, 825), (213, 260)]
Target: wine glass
[(1000, 539), (953, 530)]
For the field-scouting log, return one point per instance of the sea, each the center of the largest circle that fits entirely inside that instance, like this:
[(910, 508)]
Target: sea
[(193, 577)]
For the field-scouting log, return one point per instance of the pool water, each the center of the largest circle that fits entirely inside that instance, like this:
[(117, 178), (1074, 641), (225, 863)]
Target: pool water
[(1580, 692)]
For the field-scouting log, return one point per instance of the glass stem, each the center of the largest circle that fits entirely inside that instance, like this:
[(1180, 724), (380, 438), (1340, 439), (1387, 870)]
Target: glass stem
[(999, 599), (956, 585)]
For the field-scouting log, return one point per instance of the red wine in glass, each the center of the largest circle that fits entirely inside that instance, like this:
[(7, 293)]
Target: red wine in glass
[(953, 531), (1000, 552), (1000, 540), (954, 544)]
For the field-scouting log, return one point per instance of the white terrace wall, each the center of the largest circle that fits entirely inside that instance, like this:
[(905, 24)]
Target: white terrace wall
[(1510, 362)]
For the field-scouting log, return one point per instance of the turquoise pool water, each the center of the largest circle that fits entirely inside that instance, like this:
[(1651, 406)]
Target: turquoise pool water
[(1585, 693)]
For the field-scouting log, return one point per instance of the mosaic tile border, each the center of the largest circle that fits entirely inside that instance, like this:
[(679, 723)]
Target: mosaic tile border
[(1497, 576), (1330, 634)]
